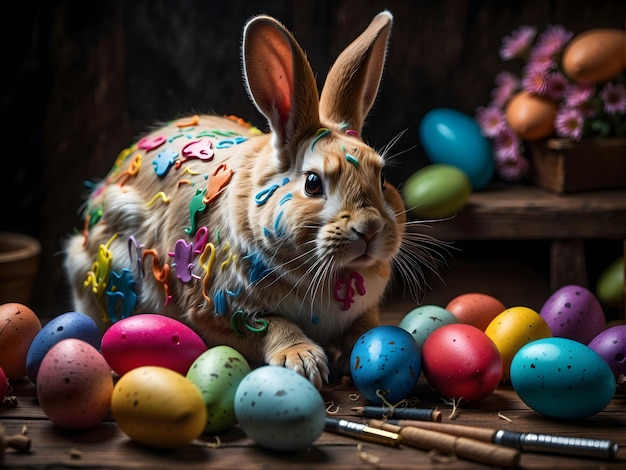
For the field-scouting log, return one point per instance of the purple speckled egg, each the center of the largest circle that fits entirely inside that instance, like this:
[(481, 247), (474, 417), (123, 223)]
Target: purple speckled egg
[(574, 312), (610, 344)]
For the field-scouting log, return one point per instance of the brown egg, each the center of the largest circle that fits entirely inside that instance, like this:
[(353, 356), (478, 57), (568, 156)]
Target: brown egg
[(596, 55), (475, 308), (531, 116), (18, 327)]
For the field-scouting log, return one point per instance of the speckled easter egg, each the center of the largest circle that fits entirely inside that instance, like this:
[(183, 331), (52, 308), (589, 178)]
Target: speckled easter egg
[(74, 385), (562, 378), (610, 344), (385, 360), (574, 312), (67, 325), (20, 325), (425, 319), (279, 409)]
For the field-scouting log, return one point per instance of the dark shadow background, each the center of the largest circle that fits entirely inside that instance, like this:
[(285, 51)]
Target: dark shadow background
[(82, 79)]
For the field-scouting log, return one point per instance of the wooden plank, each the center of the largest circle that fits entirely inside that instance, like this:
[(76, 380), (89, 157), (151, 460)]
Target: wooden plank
[(515, 212)]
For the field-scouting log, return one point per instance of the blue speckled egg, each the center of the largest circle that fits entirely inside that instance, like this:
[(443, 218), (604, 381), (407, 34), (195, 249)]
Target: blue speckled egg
[(279, 409), (386, 359), (562, 378), (67, 325), (425, 319)]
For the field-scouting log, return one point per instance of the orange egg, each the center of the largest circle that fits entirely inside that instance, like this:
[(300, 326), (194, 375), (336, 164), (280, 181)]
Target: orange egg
[(18, 327), (596, 55), (531, 116), (475, 309)]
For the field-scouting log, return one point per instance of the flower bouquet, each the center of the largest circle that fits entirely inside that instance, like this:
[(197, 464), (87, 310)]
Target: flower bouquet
[(571, 89)]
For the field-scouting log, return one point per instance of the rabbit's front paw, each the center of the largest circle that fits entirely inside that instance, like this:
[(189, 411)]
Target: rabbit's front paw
[(307, 359)]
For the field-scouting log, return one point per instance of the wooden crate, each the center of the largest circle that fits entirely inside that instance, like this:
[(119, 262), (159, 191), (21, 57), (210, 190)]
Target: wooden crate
[(563, 166)]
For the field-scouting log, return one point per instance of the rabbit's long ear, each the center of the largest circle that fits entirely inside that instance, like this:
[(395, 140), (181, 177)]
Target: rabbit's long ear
[(352, 82), (280, 82)]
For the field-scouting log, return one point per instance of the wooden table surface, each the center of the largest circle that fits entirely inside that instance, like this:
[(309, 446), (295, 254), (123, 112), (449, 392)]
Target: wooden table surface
[(106, 446)]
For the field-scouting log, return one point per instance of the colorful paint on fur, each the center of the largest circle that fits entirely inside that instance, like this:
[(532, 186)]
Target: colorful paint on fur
[(350, 158), (320, 134), (160, 195), (198, 149), (161, 273), (240, 314), (98, 276), (217, 182), (133, 169), (150, 143), (183, 260), (164, 161), (344, 291), (122, 298), (195, 205)]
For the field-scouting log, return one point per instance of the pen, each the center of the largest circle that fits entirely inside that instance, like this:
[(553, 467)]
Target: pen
[(362, 431), (463, 447), (379, 412), (527, 442)]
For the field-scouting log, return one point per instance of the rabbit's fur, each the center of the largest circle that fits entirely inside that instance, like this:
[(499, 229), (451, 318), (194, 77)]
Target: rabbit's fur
[(291, 251)]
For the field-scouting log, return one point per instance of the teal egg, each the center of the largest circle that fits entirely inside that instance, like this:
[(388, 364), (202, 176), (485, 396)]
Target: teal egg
[(436, 191), (425, 319), (449, 136), (562, 378)]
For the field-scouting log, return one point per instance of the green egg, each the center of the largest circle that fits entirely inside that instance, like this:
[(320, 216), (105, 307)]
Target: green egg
[(436, 191), (610, 286)]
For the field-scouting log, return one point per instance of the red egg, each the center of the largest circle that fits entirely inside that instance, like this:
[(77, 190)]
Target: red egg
[(475, 308), (460, 361), (4, 385)]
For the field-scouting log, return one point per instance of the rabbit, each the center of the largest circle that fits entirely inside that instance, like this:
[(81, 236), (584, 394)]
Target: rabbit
[(278, 244)]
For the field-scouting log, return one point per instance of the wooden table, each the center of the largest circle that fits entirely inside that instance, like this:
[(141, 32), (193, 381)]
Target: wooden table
[(106, 446), (521, 212)]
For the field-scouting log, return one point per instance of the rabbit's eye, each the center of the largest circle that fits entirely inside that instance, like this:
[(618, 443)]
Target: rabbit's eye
[(313, 185)]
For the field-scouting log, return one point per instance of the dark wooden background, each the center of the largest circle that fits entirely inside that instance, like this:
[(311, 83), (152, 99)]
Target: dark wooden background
[(82, 79)]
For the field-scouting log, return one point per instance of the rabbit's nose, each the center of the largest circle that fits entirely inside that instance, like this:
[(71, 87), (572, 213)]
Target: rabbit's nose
[(368, 230)]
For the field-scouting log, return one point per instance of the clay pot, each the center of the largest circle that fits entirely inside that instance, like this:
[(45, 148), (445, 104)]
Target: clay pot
[(19, 262)]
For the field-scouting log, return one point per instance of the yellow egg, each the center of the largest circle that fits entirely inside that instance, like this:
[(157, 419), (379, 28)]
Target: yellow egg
[(514, 328), (596, 55), (158, 407), (531, 116)]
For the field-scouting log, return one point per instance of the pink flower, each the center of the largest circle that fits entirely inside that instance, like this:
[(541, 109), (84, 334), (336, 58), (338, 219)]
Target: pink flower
[(569, 122), (614, 97), (518, 43), (512, 168), (491, 120), (506, 145), (551, 42), (535, 77), (507, 84), (555, 88), (577, 94)]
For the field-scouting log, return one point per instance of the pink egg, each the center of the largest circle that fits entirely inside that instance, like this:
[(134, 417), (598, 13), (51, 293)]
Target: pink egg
[(574, 312), (149, 339), (74, 385)]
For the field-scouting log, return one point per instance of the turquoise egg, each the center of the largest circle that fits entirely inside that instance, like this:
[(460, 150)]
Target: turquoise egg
[(562, 378), (425, 319), (449, 136)]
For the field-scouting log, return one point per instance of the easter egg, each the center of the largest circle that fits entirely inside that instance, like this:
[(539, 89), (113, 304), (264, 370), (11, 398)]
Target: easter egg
[(20, 325), (436, 191), (67, 325), (610, 344), (512, 329), (562, 378), (386, 361), (595, 56), (574, 312), (451, 137), (425, 319), (531, 116), (74, 385), (217, 373), (279, 409), (149, 339), (158, 407), (610, 286), (460, 361), (475, 308)]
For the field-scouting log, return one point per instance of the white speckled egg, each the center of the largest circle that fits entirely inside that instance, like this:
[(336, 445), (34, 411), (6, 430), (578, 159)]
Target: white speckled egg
[(74, 385), (279, 409), (562, 378), (217, 372)]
